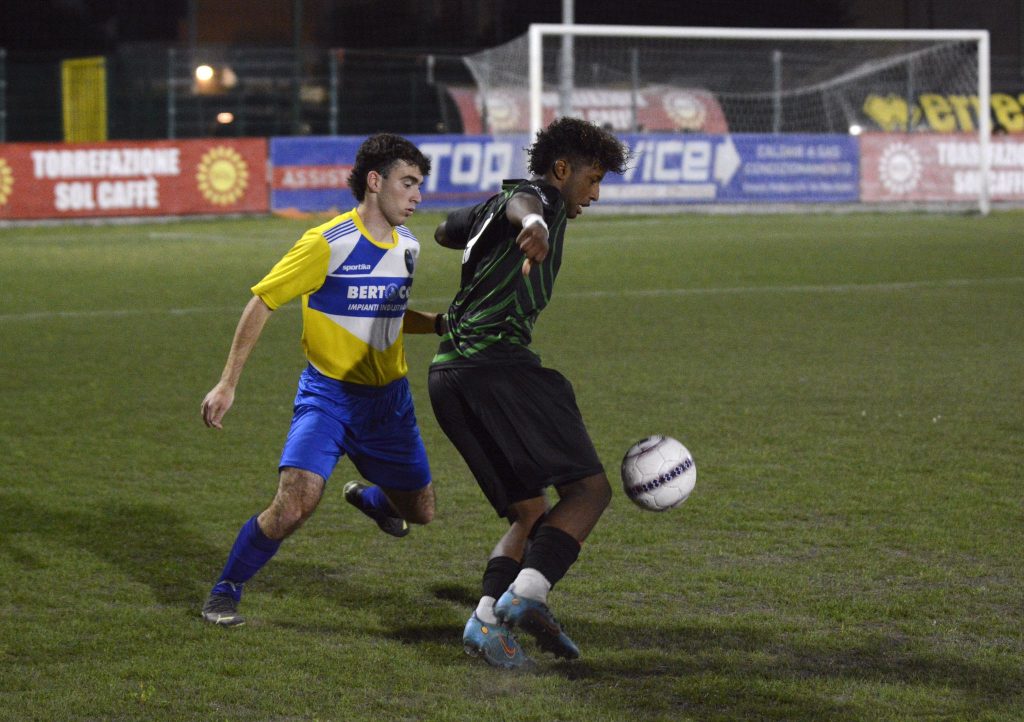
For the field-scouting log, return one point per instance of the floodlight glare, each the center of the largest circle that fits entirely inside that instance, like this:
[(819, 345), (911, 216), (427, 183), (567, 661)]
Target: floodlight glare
[(225, 118), (856, 129), (204, 73)]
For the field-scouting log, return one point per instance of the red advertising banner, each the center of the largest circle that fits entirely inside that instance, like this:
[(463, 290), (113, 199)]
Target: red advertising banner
[(938, 167), (133, 178)]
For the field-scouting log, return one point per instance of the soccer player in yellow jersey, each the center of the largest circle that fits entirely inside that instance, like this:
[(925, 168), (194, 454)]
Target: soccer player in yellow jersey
[(353, 274)]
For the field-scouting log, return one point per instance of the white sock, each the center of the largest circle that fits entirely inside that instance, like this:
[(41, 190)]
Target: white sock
[(531, 584), (485, 610)]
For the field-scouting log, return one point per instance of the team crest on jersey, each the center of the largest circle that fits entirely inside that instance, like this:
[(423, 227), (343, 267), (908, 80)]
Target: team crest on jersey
[(410, 262)]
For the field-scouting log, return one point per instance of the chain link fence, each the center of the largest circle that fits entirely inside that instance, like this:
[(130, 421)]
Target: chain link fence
[(156, 92), (3, 95)]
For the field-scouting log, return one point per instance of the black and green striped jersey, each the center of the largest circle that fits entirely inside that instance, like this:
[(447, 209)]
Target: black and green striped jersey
[(491, 319)]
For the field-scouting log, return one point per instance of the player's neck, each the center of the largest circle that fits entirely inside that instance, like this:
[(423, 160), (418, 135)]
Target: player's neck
[(552, 180), (374, 221)]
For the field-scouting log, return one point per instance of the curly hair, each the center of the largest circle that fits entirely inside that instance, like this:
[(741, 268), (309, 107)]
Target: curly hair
[(577, 141), (380, 152)]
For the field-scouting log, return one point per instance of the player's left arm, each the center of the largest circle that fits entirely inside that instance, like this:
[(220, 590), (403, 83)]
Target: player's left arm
[(453, 231), (527, 211), (424, 322)]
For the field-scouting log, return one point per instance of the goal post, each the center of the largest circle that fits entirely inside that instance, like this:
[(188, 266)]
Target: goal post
[(642, 81)]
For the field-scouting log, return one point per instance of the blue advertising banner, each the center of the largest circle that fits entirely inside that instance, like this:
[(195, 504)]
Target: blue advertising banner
[(740, 168), (310, 174), (796, 169)]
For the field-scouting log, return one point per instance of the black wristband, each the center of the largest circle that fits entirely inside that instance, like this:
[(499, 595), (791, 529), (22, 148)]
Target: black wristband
[(438, 320)]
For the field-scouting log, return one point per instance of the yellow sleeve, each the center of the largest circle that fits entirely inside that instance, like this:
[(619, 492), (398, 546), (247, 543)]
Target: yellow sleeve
[(302, 270)]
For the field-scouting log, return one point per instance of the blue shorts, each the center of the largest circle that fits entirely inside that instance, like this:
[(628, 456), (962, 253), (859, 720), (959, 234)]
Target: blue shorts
[(375, 426)]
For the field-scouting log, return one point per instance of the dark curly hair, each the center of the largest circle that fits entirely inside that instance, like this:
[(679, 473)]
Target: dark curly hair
[(380, 152), (577, 141)]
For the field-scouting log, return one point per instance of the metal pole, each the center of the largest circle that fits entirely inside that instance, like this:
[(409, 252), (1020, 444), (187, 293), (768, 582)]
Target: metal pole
[(910, 97), (536, 79), (984, 121), (777, 92), (192, 23), (568, 69), (297, 77), (3, 95), (634, 67), (332, 64), (240, 120), (172, 108)]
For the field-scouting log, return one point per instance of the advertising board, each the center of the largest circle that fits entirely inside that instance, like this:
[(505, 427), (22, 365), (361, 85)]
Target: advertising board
[(132, 178), (310, 174), (939, 168)]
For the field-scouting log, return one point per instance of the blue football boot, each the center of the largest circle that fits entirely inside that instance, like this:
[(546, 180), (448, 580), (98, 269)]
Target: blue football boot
[(495, 643), (393, 525), (537, 619)]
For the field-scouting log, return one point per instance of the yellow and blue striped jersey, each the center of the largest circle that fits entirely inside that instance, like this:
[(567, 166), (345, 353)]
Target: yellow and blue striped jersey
[(355, 290)]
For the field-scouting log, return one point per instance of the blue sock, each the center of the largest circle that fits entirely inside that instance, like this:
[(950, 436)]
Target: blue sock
[(252, 549), (374, 498)]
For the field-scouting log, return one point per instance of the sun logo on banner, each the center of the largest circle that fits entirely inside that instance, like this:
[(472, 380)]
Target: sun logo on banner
[(899, 168), (686, 110), (502, 111), (222, 175), (6, 182)]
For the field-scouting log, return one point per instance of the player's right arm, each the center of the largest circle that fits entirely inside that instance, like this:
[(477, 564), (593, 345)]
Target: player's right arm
[(301, 270), (247, 333)]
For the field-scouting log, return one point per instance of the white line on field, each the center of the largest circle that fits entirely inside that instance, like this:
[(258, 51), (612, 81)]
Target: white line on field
[(183, 236), (833, 288), (616, 293)]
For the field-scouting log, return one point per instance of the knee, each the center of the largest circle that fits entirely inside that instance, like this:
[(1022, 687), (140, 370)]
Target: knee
[(282, 519), (415, 507), (421, 516), (298, 494), (595, 491), (601, 495), (527, 514)]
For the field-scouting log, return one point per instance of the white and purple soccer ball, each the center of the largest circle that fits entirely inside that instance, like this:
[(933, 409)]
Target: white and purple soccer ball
[(658, 473)]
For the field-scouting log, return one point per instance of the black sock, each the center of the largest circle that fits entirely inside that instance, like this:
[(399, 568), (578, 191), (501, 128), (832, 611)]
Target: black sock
[(536, 525), (552, 553), (499, 575)]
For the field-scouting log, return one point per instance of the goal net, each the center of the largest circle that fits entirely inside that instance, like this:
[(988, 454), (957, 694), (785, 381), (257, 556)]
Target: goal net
[(645, 81)]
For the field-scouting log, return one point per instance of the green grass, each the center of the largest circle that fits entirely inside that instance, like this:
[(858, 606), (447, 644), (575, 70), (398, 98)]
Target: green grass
[(852, 388)]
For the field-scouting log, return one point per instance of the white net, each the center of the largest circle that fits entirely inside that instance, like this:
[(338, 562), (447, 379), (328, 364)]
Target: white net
[(745, 118), (721, 84)]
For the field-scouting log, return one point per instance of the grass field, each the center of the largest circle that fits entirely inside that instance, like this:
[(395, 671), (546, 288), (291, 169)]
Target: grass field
[(852, 388)]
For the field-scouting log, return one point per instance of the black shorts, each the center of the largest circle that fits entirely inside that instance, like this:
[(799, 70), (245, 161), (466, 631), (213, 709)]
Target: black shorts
[(518, 428)]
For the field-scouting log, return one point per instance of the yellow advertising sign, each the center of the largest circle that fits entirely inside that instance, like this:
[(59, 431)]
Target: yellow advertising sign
[(944, 113), (84, 93)]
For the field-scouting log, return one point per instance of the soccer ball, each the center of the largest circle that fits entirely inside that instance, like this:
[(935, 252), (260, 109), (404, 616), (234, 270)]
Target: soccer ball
[(658, 473)]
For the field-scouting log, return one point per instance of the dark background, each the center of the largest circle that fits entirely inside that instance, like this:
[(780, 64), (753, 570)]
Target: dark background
[(383, 71), (78, 26)]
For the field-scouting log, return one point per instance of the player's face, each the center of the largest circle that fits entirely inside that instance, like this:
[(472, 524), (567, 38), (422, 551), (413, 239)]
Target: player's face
[(581, 188), (400, 192)]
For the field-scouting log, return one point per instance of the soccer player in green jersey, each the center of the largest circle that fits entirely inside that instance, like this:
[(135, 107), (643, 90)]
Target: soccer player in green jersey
[(514, 422), (353, 275)]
